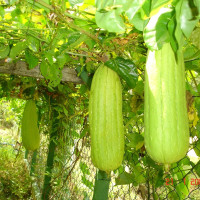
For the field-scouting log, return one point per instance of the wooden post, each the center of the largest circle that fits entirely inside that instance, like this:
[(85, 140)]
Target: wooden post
[(50, 158), (101, 187)]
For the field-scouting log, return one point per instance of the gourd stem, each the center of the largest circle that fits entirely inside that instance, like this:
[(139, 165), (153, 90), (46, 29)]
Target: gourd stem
[(167, 167), (101, 186)]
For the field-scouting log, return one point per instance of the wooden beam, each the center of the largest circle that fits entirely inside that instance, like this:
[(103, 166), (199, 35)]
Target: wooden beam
[(21, 69)]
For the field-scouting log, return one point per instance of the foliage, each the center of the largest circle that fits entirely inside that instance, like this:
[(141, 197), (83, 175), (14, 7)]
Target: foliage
[(14, 177), (81, 35)]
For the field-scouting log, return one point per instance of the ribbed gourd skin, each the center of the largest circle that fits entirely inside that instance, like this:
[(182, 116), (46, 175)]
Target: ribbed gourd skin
[(106, 121), (165, 114), (29, 130)]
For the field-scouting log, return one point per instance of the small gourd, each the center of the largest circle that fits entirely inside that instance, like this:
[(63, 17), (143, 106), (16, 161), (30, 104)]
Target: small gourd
[(29, 129)]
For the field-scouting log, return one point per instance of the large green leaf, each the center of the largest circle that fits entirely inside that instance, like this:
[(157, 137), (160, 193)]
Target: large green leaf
[(4, 51), (110, 21), (137, 13), (156, 32), (17, 49), (195, 37), (192, 66), (16, 12), (33, 43), (126, 69), (136, 178), (189, 16), (83, 74), (159, 181), (136, 140), (191, 53), (131, 7), (51, 72), (124, 178), (2, 11), (171, 29), (157, 5), (138, 22), (108, 15), (31, 59)]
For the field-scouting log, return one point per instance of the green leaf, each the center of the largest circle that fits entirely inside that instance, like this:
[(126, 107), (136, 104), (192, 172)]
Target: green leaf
[(132, 7), (189, 16), (110, 21), (75, 2), (73, 38), (191, 53), (126, 69), (84, 168), (61, 60), (137, 13), (11, 2), (2, 12), (181, 188), (159, 181), (156, 32), (137, 177), (33, 44), (17, 49), (31, 59), (108, 15), (195, 39), (65, 111), (138, 21), (171, 29), (138, 172), (4, 51), (77, 42), (152, 163), (38, 5), (49, 56), (136, 140), (82, 23), (197, 168), (124, 178), (84, 132), (83, 74), (83, 89), (193, 66), (15, 13), (157, 5), (61, 34), (90, 43), (51, 72), (88, 183), (139, 88)]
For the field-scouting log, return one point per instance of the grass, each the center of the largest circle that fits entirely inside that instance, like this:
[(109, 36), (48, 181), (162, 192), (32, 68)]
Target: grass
[(15, 183)]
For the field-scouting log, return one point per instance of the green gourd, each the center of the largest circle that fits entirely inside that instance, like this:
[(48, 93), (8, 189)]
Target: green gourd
[(165, 112), (106, 121), (29, 129)]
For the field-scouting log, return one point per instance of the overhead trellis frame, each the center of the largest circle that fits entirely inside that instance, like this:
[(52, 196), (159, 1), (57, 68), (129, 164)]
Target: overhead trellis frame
[(20, 68)]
